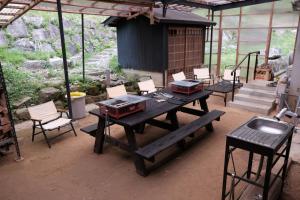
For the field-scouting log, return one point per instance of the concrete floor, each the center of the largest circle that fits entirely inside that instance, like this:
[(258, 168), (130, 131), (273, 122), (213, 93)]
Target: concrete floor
[(70, 170)]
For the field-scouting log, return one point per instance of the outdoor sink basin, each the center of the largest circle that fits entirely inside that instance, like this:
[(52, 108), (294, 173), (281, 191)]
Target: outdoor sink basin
[(268, 126)]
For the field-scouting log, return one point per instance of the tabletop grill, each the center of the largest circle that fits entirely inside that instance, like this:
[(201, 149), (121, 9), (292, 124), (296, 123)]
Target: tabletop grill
[(123, 106), (187, 87)]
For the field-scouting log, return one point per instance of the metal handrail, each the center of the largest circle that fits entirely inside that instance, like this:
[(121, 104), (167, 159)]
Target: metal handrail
[(233, 72)]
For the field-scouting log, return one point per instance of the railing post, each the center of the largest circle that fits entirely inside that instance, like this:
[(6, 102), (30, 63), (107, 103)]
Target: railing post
[(256, 63), (248, 66), (233, 85)]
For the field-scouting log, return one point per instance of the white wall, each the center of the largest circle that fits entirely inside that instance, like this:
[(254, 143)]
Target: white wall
[(295, 79)]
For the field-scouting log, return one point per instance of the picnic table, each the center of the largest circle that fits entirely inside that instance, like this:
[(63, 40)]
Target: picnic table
[(134, 123), (223, 87)]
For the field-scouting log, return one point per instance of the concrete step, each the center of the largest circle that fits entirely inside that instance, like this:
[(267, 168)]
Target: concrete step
[(257, 92), (254, 99), (260, 84), (253, 107)]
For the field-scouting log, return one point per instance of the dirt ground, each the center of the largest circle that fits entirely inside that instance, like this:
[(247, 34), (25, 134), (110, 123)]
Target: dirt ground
[(70, 169)]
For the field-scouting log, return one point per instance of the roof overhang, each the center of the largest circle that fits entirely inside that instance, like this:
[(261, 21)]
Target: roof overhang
[(10, 10)]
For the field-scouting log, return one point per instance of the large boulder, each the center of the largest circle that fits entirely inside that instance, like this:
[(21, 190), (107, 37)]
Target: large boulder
[(45, 47), (24, 44), (3, 41), (72, 48), (53, 32), (76, 60), (18, 29), (34, 64), (56, 62), (22, 114), (39, 35), (36, 21), (49, 93)]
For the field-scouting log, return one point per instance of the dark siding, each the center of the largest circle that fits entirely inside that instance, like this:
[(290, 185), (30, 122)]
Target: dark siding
[(140, 45)]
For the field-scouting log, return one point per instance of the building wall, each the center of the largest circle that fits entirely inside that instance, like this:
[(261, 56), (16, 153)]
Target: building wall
[(140, 45)]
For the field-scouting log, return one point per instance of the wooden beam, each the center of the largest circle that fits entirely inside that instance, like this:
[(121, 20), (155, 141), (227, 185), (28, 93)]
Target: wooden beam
[(238, 38), (269, 37), (239, 4)]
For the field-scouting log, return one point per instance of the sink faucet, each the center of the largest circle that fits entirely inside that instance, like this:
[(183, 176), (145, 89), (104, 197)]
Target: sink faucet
[(280, 114)]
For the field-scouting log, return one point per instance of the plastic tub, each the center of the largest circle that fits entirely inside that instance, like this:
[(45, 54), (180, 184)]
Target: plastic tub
[(78, 104)]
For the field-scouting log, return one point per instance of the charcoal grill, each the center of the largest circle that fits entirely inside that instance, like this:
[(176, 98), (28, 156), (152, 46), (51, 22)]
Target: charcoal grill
[(187, 87), (122, 106)]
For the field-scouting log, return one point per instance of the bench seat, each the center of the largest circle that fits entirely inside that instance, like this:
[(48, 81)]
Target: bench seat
[(150, 150)]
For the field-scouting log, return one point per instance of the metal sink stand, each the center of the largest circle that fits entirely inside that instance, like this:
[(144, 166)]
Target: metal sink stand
[(272, 156)]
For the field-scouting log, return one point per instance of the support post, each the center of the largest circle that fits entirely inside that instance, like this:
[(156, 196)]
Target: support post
[(269, 38), (64, 54), (220, 41), (248, 67), (211, 40), (82, 47)]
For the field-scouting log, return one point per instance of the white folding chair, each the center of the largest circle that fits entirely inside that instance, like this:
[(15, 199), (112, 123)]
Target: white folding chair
[(46, 117), (202, 74), (228, 77), (179, 76), (147, 86), (113, 92)]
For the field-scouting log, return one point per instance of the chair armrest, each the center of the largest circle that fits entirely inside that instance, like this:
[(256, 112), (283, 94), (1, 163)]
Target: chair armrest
[(62, 110), (36, 120)]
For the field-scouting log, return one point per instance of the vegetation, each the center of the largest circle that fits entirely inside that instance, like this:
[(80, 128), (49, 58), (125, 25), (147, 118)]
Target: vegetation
[(21, 84), (114, 66)]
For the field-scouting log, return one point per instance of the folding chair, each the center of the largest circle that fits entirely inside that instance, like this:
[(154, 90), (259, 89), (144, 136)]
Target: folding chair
[(179, 76), (147, 86), (202, 74), (47, 118), (113, 92), (228, 77)]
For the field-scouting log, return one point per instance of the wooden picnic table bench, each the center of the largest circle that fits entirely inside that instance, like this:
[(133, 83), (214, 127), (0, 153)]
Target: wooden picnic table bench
[(154, 109)]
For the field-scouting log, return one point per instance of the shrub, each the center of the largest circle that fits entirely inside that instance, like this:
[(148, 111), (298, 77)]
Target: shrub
[(21, 84), (114, 66)]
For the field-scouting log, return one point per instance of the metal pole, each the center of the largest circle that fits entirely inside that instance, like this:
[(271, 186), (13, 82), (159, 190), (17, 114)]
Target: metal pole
[(63, 48), (82, 46), (255, 67), (248, 66), (233, 86), (211, 40)]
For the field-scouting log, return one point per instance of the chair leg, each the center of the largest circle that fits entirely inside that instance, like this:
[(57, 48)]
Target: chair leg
[(46, 138), (33, 132), (73, 129)]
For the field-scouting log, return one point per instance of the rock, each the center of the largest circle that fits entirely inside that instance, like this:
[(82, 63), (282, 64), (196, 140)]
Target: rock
[(90, 23), (34, 64), (18, 29), (44, 47), (93, 90), (36, 21), (22, 114), (56, 62), (39, 35), (3, 41), (53, 32), (59, 104), (76, 60), (72, 48), (49, 93), (24, 44), (57, 45), (54, 83), (67, 23)]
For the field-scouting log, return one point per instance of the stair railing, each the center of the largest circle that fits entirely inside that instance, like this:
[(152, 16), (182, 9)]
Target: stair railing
[(233, 72)]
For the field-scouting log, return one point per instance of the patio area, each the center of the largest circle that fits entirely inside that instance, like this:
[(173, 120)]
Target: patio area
[(139, 94), (71, 170)]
